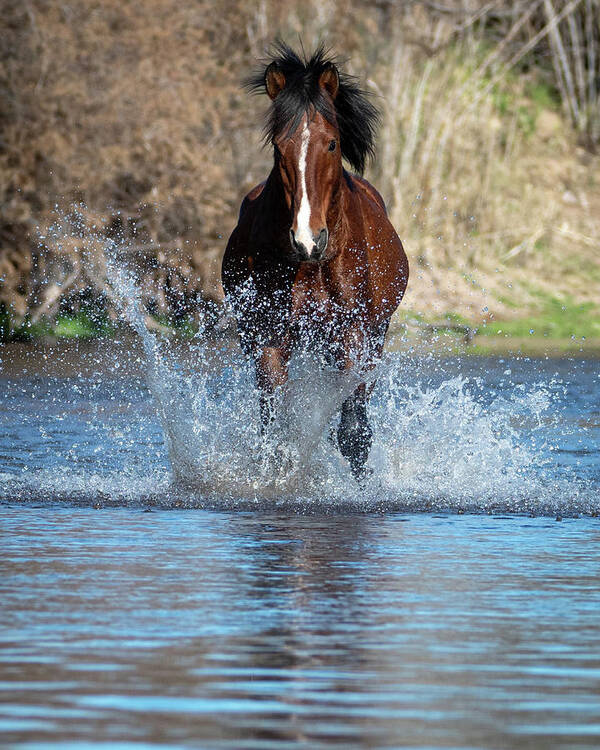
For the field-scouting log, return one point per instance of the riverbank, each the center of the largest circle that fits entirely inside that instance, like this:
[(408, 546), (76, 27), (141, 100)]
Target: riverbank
[(68, 339), (499, 346), (127, 135)]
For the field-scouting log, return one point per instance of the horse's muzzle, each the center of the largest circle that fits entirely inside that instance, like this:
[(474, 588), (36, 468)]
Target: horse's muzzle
[(316, 252)]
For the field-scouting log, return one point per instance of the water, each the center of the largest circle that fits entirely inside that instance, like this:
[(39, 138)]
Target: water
[(171, 578), (481, 435), (263, 630)]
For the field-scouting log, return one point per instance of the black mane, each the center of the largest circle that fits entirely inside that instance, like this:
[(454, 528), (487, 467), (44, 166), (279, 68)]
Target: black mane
[(356, 117)]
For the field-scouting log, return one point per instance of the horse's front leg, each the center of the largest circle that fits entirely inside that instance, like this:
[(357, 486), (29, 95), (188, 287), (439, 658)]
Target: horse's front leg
[(363, 348), (354, 432), (271, 371)]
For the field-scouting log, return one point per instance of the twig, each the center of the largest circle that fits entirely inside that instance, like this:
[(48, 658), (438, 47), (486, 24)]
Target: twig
[(153, 325), (559, 50), (406, 161), (495, 53), (578, 56), (577, 236), (526, 244), (516, 57), (53, 295), (593, 88)]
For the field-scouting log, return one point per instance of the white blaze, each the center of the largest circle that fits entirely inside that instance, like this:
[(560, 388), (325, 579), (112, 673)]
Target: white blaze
[(303, 233)]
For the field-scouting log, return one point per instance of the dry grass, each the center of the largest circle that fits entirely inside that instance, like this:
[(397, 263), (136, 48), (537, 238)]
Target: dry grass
[(486, 182), (136, 113)]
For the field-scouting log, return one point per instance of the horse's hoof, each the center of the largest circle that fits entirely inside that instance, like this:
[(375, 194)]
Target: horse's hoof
[(362, 474)]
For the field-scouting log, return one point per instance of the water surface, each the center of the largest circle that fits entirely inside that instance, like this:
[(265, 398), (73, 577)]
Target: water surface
[(114, 424), (164, 584), (257, 630)]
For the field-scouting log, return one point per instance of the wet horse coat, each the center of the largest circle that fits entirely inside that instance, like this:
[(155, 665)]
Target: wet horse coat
[(314, 262)]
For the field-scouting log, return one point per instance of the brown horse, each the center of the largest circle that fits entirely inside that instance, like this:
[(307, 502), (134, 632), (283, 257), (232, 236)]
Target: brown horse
[(314, 262)]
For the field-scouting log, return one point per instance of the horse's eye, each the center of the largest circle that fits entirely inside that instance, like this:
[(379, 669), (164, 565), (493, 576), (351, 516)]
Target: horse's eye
[(332, 145)]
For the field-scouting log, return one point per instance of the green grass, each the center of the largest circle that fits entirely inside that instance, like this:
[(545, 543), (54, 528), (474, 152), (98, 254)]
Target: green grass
[(556, 319), (560, 327), (543, 95), (186, 328), (78, 325)]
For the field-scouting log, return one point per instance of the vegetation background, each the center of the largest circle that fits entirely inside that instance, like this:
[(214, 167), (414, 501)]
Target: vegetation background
[(123, 124)]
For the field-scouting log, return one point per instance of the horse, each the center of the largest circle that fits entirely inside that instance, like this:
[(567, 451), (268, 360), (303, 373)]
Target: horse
[(314, 262)]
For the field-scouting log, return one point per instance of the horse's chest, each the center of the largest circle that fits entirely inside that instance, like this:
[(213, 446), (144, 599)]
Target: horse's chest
[(308, 307), (312, 301)]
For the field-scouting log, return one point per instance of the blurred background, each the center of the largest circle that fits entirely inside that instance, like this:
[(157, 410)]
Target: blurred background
[(124, 126)]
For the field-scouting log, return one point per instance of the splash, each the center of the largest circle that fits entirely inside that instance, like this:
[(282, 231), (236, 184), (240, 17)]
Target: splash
[(211, 421), (445, 442), (442, 440), (442, 445)]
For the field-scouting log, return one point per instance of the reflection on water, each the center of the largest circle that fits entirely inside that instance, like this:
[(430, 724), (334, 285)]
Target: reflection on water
[(254, 630)]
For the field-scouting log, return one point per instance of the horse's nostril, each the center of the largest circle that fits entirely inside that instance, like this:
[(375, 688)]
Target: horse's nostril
[(315, 249), (321, 240)]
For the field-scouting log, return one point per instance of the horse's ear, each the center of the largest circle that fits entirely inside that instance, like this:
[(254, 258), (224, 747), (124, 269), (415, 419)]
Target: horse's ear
[(330, 80), (274, 80)]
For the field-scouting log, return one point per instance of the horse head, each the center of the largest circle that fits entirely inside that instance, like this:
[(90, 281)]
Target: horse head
[(308, 163), (318, 116)]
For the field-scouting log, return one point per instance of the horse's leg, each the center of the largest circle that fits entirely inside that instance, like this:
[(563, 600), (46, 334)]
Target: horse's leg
[(271, 372), (354, 432)]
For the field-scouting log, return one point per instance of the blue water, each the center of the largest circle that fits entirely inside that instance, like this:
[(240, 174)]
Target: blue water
[(160, 588), (261, 630), (478, 434)]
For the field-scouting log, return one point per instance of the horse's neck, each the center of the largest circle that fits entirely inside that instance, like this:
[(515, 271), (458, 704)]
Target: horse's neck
[(337, 208), (274, 196)]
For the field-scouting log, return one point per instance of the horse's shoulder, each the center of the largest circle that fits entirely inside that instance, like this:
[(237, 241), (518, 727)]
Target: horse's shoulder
[(250, 197), (358, 184)]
